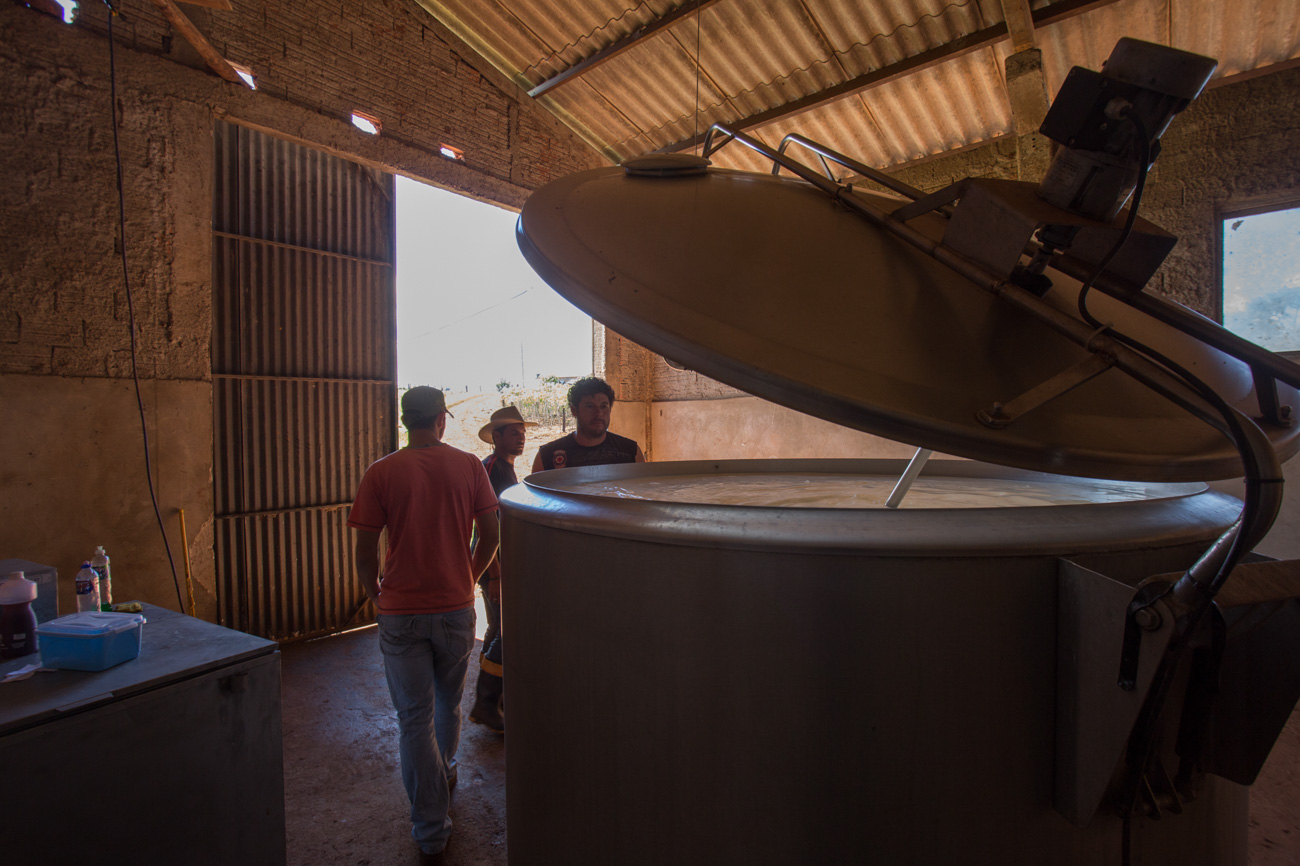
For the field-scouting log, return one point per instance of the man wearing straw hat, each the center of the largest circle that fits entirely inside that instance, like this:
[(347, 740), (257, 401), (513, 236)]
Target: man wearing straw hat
[(506, 431)]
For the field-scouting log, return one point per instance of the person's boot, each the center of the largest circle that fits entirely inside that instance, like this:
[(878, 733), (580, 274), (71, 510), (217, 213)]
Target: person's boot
[(487, 699)]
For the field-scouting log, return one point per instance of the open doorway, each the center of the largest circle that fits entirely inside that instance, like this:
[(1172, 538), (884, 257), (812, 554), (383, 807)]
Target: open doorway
[(474, 319)]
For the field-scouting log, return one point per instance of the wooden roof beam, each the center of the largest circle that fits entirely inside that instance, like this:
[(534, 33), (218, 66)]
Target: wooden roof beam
[(1020, 24), (206, 50), (986, 38), (609, 52)]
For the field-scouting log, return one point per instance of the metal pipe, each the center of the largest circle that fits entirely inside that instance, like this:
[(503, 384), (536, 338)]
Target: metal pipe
[(799, 139), (873, 174), (914, 467)]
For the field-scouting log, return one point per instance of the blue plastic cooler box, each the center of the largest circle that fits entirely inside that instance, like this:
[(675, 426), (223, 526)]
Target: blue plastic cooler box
[(89, 641)]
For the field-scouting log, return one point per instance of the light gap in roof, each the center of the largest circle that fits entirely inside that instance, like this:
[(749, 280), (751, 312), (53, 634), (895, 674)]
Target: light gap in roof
[(245, 73), (366, 122)]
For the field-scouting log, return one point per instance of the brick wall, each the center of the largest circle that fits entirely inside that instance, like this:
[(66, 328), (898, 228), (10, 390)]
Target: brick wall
[(61, 286), (74, 461), (1237, 144), (384, 57), (63, 308)]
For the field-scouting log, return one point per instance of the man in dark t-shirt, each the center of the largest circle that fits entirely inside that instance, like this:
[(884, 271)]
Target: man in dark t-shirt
[(506, 430), (590, 444)]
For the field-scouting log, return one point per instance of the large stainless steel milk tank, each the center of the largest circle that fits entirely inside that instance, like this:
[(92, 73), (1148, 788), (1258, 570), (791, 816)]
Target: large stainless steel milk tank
[(712, 683), (694, 683)]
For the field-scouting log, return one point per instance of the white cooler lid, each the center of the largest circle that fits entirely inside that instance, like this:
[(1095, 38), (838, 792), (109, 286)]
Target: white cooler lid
[(90, 623)]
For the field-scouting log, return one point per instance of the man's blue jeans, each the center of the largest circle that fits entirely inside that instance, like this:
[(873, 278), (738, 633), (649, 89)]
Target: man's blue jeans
[(426, 657)]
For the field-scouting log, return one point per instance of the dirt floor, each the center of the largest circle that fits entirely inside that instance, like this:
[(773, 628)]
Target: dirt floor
[(345, 805), (344, 801)]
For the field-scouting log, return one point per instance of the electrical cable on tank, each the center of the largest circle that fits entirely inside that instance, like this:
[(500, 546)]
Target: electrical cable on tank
[(1192, 596), (764, 299)]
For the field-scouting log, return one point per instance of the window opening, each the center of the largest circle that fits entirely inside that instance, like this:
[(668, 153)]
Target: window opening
[(245, 73), (366, 122), (63, 9), (1261, 277)]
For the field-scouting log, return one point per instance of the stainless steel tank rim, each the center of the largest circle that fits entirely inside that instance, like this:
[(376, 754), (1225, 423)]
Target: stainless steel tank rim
[(550, 499), (561, 480)]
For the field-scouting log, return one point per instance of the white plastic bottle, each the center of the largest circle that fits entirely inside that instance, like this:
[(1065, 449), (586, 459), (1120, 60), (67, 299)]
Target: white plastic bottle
[(87, 589), (99, 562)]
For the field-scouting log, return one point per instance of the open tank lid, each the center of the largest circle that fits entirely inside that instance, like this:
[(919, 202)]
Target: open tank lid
[(766, 284)]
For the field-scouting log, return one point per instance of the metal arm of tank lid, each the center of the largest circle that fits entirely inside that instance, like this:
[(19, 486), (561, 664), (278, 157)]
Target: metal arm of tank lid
[(875, 175), (1263, 363)]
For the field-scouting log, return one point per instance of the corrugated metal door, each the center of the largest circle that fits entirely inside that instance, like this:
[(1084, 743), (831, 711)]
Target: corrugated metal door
[(303, 363)]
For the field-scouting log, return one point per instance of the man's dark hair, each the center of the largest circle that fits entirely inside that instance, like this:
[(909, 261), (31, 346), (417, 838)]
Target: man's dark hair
[(586, 388), (419, 422)]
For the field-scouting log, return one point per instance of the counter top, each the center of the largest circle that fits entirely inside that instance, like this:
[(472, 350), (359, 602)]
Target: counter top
[(173, 647)]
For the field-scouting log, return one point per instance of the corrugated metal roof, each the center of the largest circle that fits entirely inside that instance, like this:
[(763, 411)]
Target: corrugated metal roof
[(757, 56)]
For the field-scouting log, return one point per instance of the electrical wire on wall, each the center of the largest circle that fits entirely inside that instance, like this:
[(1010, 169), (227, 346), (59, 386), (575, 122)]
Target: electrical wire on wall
[(130, 305)]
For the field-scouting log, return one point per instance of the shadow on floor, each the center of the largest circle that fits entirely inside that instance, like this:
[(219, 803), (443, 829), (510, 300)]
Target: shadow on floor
[(344, 802)]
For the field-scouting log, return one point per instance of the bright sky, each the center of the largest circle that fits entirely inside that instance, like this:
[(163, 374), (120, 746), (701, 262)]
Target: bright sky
[(1261, 278), (469, 306)]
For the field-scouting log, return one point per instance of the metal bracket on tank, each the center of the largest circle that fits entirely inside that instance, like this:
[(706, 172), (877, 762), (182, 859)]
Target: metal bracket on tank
[(1247, 697), (1271, 408), (1241, 686), (999, 415), (1094, 715)]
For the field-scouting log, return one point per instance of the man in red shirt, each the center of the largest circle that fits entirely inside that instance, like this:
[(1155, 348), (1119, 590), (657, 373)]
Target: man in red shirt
[(428, 496)]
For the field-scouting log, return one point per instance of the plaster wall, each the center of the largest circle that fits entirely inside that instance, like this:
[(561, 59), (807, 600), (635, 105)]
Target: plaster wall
[(745, 428), (71, 467), (629, 419), (73, 477)]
